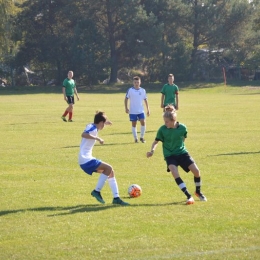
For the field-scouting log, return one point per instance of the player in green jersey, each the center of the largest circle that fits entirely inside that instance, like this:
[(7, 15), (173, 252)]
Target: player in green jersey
[(170, 93), (68, 90), (172, 135)]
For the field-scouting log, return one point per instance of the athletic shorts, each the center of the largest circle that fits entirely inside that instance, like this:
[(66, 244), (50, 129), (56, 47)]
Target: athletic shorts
[(136, 117), (70, 100), (90, 166), (182, 160)]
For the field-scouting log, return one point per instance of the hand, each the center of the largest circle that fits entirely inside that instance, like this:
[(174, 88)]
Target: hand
[(162, 106), (108, 122), (127, 110), (148, 112), (101, 141), (78, 98), (149, 154), (66, 99)]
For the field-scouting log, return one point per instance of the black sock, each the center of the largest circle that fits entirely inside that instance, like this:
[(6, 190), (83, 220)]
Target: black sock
[(182, 186), (197, 184)]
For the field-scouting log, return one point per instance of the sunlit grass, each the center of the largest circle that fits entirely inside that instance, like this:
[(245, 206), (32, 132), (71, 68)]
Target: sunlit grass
[(46, 211)]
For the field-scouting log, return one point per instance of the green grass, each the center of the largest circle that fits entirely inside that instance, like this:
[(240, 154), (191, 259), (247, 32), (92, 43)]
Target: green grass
[(46, 211)]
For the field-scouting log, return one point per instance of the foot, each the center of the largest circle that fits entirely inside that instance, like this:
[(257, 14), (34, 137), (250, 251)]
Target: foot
[(98, 196), (142, 140), (190, 201), (70, 120), (200, 196), (136, 140), (118, 201), (64, 118)]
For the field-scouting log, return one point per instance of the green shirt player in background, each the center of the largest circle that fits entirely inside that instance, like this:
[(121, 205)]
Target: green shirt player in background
[(68, 90), (172, 135), (170, 93)]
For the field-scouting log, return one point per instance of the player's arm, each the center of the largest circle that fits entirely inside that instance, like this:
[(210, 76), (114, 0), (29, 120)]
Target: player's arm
[(147, 107), (108, 122), (162, 100), (90, 136), (64, 93), (76, 92), (154, 145), (126, 105), (177, 101)]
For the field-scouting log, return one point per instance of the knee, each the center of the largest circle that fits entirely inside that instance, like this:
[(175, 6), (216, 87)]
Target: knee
[(196, 172)]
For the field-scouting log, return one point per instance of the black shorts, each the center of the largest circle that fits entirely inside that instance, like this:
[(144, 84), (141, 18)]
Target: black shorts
[(183, 160), (70, 99)]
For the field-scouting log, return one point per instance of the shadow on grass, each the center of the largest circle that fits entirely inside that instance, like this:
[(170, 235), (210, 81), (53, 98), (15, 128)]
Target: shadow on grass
[(98, 145), (83, 208), (240, 153)]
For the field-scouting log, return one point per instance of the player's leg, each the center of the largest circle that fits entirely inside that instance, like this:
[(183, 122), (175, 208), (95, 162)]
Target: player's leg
[(63, 117), (133, 119), (143, 126), (197, 180), (180, 183), (71, 106), (107, 170)]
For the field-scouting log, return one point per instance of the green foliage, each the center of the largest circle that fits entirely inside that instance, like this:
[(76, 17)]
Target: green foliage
[(46, 210), (99, 39)]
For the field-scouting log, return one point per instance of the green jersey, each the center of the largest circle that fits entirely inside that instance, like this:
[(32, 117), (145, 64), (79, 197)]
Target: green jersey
[(69, 85), (172, 139), (170, 92)]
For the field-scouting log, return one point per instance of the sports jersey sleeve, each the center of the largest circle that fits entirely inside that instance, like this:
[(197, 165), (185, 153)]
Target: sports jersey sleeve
[(127, 95), (145, 96), (91, 128), (163, 90), (176, 90), (64, 83), (159, 135)]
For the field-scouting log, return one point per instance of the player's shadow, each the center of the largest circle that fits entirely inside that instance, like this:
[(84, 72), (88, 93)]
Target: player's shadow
[(61, 211)]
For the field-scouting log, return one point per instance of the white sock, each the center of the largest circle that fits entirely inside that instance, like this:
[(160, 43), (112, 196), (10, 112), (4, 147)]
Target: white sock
[(101, 182), (142, 131), (134, 131), (113, 186)]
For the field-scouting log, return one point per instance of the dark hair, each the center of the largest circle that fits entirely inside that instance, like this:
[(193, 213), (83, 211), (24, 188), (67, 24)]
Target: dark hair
[(99, 117), (137, 78)]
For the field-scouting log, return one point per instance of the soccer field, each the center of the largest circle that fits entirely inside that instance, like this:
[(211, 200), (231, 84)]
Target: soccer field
[(47, 212)]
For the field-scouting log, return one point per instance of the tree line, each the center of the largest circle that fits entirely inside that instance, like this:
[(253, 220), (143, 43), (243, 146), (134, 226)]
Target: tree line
[(111, 39)]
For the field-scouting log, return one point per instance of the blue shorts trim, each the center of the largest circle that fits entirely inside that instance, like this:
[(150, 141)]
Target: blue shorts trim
[(90, 166), (136, 117)]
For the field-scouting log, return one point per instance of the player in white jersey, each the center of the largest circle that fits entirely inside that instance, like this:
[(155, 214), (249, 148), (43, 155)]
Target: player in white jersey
[(137, 96), (90, 164)]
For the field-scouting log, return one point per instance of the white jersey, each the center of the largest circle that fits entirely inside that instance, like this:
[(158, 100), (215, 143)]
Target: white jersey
[(86, 146), (136, 97)]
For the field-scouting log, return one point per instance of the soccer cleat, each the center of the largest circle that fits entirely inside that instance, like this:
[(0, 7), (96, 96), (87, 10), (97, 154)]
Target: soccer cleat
[(64, 118), (190, 201), (136, 140), (142, 140), (118, 201), (201, 196), (98, 196), (70, 120)]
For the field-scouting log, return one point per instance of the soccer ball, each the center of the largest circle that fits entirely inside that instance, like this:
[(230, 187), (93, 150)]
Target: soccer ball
[(134, 191)]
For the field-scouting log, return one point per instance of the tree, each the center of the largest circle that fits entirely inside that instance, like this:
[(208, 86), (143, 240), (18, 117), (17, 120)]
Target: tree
[(57, 35), (211, 23)]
